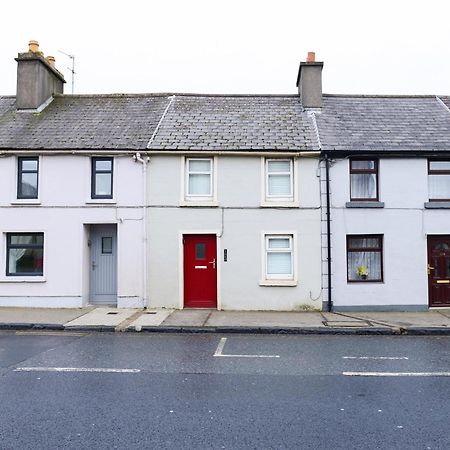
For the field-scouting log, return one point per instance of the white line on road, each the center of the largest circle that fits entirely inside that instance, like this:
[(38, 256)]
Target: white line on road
[(396, 374), (376, 357), (74, 369), (221, 345)]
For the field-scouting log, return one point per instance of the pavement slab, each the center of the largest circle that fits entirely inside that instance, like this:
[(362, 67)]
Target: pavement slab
[(406, 319), (150, 318), (57, 316), (188, 318), (101, 317), (264, 319)]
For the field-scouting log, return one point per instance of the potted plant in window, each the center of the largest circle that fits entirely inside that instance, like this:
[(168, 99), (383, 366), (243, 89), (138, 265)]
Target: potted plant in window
[(362, 272)]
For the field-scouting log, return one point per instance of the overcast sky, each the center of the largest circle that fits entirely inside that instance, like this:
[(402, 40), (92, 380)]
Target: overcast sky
[(234, 46)]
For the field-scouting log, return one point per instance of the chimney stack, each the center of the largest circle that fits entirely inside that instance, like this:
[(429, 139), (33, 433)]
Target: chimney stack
[(37, 78), (309, 82)]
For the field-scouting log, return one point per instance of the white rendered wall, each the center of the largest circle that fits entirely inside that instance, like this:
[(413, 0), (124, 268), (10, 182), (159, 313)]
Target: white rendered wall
[(64, 213), (240, 221), (405, 225)]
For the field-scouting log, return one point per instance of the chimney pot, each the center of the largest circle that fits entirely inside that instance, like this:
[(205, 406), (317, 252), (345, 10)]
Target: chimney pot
[(311, 57), (51, 60), (33, 46)]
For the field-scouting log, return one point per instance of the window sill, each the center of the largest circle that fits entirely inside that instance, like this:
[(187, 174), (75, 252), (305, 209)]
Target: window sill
[(199, 203), (437, 205), (23, 280), (96, 201), (364, 204), (279, 204), (278, 282), (26, 201)]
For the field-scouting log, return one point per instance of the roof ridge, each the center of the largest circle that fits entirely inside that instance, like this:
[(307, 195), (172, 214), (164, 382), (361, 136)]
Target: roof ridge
[(177, 94), (379, 96)]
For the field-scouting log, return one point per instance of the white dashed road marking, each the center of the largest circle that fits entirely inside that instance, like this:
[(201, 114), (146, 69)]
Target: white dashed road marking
[(376, 357), (396, 374), (221, 345), (74, 369)]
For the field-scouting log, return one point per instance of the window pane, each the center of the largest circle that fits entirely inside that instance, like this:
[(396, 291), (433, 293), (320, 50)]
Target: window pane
[(355, 242), (199, 184), (199, 165), (20, 239), (439, 186), (107, 244), (439, 165), (25, 260), (103, 165), (363, 186), (361, 165), (364, 262), (279, 263), (28, 186), (200, 251), (103, 184), (280, 185), (279, 166), (279, 243), (28, 164)]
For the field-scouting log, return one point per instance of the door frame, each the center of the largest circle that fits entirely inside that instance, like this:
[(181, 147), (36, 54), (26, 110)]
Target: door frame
[(429, 237), (90, 226), (218, 236)]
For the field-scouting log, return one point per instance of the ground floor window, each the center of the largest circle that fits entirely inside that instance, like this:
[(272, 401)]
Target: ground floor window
[(279, 257), (24, 254), (365, 258)]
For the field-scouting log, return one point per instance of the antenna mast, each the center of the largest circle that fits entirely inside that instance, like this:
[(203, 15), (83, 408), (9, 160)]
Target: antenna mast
[(72, 69)]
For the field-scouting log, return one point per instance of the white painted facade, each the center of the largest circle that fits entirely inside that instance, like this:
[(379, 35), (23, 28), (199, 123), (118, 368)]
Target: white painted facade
[(404, 223), (65, 213), (240, 218)]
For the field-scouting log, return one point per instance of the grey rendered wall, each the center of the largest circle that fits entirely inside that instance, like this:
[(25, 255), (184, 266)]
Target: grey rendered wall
[(240, 222)]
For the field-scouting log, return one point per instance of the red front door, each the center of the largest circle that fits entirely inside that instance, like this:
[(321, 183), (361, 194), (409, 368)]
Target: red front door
[(439, 270), (200, 271)]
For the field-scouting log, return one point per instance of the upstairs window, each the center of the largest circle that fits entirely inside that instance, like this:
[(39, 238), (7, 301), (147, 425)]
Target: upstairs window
[(365, 258), (27, 177), (199, 178), (279, 180), (24, 254), (439, 180), (102, 178), (364, 180)]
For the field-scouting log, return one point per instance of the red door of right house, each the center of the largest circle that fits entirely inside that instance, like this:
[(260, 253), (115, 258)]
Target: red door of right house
[(439, 270), (200, 273)]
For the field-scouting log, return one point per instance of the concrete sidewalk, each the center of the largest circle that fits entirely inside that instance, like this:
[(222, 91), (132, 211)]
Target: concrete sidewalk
[(435, 322)]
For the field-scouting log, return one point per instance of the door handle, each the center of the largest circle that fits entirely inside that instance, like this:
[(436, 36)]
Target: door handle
[(429, 269), (93, 265), (213, 262)]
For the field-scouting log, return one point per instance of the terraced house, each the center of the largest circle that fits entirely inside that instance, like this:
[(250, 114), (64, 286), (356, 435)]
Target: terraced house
[(156, 200), (244, 202)]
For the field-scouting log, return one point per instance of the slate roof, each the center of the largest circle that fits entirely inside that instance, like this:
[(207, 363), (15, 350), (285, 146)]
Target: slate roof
[(384, 124), (246, 122), (445, 100), (193, 122), (111, 122)]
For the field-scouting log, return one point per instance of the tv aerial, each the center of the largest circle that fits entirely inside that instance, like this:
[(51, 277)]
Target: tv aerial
[(72, 69)]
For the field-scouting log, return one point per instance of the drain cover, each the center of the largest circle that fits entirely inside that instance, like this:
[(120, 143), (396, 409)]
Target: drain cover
[(150, 312), (347, 323), (113, 312)]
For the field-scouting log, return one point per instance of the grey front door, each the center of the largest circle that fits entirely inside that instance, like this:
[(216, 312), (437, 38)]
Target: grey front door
[(103, 265)]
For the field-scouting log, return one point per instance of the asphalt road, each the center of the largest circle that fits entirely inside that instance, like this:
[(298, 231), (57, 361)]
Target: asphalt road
[(131, 391)]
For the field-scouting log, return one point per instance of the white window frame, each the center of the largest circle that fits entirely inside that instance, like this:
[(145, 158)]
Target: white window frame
[(269, 200), (279, 279), (188, 199)]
